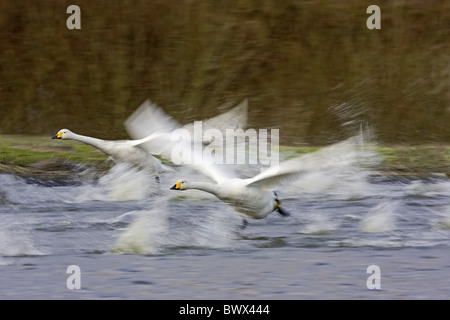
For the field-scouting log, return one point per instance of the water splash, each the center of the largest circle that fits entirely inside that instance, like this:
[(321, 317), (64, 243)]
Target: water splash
[(122, 182), (442, 217), (342, 170), (145, 235), (15, 190), (380, 218), (320, 224), (425, 189), (218, 230), (16, 244)]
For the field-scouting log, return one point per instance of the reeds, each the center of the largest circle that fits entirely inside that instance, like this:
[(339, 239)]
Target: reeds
[(298, 62)]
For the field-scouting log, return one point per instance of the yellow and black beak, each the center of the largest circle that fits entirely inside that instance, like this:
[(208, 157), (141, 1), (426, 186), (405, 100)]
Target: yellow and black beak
[(57, 136), (176, 186)]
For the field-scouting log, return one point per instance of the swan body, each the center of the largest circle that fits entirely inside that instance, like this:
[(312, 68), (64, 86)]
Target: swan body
[(118, 150)]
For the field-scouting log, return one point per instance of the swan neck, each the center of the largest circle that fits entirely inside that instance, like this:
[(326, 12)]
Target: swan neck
[(88, 140), (204, 186)]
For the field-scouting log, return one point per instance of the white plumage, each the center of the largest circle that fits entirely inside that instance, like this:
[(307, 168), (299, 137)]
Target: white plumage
[(118, 150)]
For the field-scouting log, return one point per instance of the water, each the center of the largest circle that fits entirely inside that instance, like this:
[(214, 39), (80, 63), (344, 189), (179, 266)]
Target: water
[(133, 239)]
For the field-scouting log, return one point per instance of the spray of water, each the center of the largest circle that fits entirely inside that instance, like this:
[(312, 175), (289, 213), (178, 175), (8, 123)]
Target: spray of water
[(444, 218), (319, 224), (145, 235), (122, 182), (340, 171), (380, 218), (16, 244)]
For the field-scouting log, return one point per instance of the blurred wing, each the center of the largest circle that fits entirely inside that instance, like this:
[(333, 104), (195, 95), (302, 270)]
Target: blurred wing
[(149, 119), (158, 133), (210, 170), (155, 144), (236, 118), (288, 171), (151, 127), (338, 155)]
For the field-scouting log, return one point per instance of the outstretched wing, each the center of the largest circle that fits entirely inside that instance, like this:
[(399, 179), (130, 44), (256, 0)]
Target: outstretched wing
[(152, 127), (159, 134), (235, 118), (288, 171), (337, 155)]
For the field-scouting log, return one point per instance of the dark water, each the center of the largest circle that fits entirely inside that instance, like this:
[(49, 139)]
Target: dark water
[(134, 240)]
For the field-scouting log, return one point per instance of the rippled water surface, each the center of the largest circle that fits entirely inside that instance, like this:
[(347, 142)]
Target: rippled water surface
[(133, 239)]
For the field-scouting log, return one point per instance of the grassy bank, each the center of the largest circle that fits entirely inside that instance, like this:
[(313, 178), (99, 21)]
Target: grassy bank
[(42, 157), (415, 161)]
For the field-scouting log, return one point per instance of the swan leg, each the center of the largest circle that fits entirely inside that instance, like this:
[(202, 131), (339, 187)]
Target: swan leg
[(283, 212), (280, 209), (157, 179), (244, 224)]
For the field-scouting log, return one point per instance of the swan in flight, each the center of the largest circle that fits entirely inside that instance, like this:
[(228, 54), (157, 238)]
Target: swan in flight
[(118, 150), (252, 198), (245, 197), (152, 129), (255, 197)]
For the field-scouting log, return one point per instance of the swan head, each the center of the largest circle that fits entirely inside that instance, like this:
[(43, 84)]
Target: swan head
[(64, 134), (180, 185)]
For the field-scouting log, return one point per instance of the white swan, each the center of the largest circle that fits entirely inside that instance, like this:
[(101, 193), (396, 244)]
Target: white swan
[(252, 198), (152, 129), (118, 150), (250, 201)]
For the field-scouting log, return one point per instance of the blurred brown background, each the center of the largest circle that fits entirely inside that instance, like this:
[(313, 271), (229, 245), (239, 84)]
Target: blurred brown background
[(310, 68)]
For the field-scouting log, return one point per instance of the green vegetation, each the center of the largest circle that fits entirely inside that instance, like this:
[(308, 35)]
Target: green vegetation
[(26, 150), (420, 161), (310, 68), (40, 156)]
